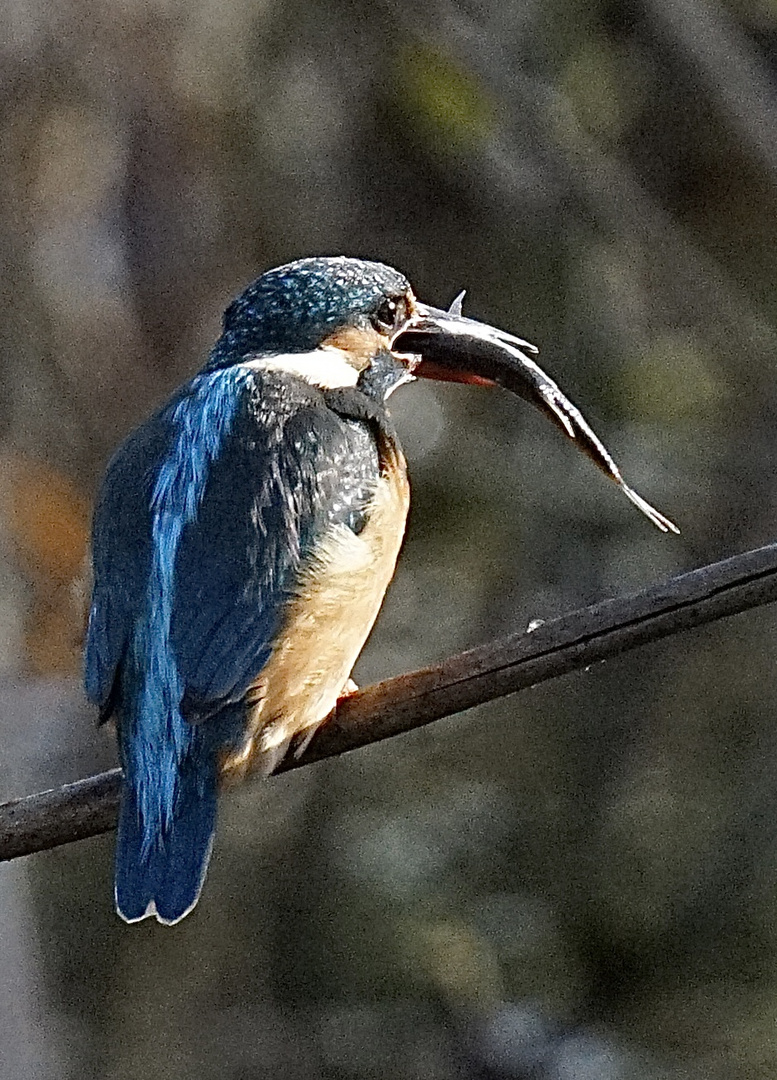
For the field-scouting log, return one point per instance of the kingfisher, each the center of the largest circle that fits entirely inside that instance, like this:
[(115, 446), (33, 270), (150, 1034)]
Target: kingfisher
[(244, 537)]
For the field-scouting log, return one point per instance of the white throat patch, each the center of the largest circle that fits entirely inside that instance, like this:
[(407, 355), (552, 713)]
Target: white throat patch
[(327, 367)]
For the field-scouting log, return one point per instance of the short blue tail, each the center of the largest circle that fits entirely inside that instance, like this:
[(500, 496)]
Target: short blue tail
[(163, 876)]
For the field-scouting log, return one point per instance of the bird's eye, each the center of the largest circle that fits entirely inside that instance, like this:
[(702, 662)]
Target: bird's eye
[(385, 317)]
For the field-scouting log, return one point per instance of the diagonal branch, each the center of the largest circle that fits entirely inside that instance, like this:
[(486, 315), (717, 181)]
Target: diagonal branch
[(401, 704)]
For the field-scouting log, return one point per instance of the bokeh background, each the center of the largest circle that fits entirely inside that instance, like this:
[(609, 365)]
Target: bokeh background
[(579, 883)]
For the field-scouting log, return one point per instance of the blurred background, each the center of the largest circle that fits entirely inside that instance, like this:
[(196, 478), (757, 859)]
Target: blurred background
[(579, 883)]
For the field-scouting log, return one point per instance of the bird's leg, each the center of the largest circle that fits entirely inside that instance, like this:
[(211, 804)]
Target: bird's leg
[(301, 746), (304, 742), (271, 757)]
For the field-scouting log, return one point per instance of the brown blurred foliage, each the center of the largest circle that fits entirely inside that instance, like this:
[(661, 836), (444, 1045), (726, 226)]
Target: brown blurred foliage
[(48, 526)]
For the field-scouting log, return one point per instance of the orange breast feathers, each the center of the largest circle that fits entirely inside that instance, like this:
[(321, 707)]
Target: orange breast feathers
[(327, 621)]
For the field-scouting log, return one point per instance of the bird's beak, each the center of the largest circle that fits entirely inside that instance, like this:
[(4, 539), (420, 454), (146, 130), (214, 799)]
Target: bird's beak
[(453, 348)]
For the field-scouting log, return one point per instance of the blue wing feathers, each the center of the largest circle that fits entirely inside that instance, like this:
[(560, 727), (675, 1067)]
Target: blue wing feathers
[(121, 546), (203, 520), (152, 493)]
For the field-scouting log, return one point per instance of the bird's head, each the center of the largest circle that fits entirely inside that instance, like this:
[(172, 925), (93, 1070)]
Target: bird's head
[(326, 319), (340, 322)]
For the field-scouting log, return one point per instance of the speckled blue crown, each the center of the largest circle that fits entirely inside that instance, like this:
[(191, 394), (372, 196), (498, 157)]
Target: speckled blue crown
[(293, 308)]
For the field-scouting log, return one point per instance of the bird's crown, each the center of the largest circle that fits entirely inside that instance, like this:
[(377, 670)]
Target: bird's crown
[(295, 307)]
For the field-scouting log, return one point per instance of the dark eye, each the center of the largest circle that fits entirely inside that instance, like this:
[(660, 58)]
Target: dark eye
[(385, 316)]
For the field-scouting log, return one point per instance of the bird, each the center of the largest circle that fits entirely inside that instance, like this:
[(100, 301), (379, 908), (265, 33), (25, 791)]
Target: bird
[(244, 537)]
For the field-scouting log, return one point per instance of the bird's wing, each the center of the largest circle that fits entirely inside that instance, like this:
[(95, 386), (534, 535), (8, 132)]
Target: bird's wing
[(290, 470), (121, 554), (281, 472)]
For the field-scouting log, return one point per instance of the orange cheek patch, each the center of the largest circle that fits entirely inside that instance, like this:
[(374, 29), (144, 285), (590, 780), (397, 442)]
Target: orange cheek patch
[(360, 345)]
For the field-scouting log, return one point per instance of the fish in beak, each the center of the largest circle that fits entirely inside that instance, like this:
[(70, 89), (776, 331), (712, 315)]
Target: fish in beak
[(453, 348)]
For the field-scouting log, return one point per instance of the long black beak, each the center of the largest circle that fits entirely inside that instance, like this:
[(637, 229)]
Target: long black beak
[(456, 349)]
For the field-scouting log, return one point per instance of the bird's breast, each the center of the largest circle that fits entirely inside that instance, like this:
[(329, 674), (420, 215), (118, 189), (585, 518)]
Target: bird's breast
[(333, 606)]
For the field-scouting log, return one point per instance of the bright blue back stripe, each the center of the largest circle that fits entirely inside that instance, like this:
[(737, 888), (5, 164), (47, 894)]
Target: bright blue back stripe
[(201, 420)]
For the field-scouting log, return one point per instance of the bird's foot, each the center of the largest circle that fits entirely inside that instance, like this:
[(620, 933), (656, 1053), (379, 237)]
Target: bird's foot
[(349, 688), (302, 742)]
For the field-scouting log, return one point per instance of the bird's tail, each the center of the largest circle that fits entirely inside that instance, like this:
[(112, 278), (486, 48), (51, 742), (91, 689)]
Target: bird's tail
[(161, 865)]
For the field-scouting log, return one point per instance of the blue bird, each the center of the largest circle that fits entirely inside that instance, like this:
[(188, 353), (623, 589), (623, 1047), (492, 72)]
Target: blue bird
[(245, 535)]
